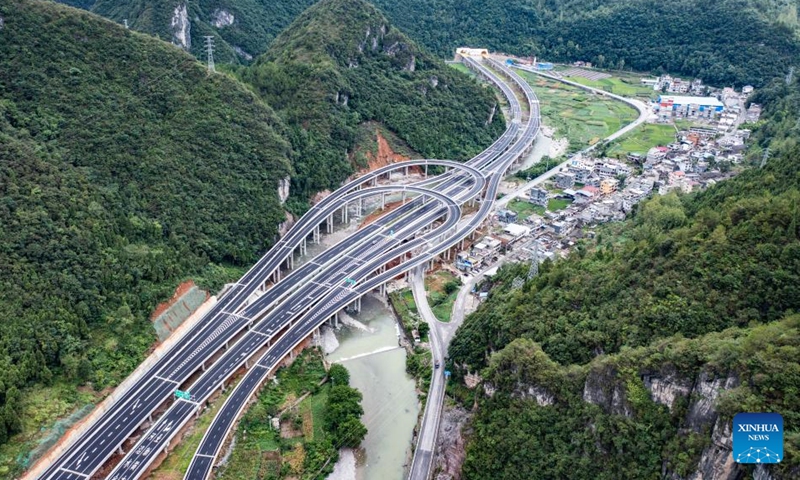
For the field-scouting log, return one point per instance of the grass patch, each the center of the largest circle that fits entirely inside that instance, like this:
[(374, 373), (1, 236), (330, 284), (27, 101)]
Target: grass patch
[(642, 139), (628, 86), (461, 68), (582, 117), (442, 288), (177, 462), (555, 204), (524, 208)]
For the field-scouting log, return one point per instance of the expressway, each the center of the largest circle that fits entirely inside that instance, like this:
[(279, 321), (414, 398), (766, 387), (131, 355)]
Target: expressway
[(215, 333), (442, 333), (248, 319), (422, 462), (212, 442)]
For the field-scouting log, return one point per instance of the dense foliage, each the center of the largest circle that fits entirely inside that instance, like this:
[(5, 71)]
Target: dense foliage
[(242, 29), (341, 64), (779, 127), (125, 168), (722, 42), (721, 267), (517, 438), (122, 169), (690, 265)]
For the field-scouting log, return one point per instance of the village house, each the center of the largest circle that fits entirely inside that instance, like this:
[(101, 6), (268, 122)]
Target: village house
[(565, 180), (538, 196), (609, 186)]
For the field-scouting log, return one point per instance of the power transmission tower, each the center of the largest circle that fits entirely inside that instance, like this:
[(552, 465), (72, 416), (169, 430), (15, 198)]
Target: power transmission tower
[(125, 22), (517, 283), (534, 270), (210, 52), (790, 76), (764, 157)]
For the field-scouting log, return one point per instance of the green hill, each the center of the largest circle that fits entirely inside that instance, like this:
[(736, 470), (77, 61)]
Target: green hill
[(340, 65), (125, 165), (242, 28), (722, 42), (122, 169), (570, 357)]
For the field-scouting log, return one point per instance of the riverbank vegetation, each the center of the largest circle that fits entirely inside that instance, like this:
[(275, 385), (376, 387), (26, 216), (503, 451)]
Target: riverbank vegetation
[(317, 412)]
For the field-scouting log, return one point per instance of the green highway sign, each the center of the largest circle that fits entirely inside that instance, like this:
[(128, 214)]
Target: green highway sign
[(183, 395)]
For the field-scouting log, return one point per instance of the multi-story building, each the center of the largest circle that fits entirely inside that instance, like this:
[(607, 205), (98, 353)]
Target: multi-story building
[(689, 107), (538, 196), (565, 180), (608, 186)]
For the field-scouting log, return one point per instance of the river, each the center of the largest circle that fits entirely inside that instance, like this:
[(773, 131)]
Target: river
[(377, 369)]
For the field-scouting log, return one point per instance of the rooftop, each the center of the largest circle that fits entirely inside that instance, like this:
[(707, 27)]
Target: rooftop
[(680, 100)]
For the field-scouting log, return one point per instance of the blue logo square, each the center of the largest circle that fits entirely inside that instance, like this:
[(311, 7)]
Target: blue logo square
[(757, 438)]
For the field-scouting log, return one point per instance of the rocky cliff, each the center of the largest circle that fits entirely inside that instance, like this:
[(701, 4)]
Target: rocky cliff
[(662, 411)]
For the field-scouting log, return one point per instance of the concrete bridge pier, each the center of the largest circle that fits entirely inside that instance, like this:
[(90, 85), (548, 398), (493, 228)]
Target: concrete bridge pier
[(330, 224)]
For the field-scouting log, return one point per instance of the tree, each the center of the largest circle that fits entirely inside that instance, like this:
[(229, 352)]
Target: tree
[(338, 375), (343, 416)]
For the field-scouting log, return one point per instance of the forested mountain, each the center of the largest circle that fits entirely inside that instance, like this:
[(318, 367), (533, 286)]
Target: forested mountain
[(242, 28), (341, 64), (614, 355), (721, 41), (125, 167), (121, 166)]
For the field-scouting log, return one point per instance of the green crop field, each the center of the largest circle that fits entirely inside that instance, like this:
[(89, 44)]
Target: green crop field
[(642, 139), (628, 86), (582, 117)]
